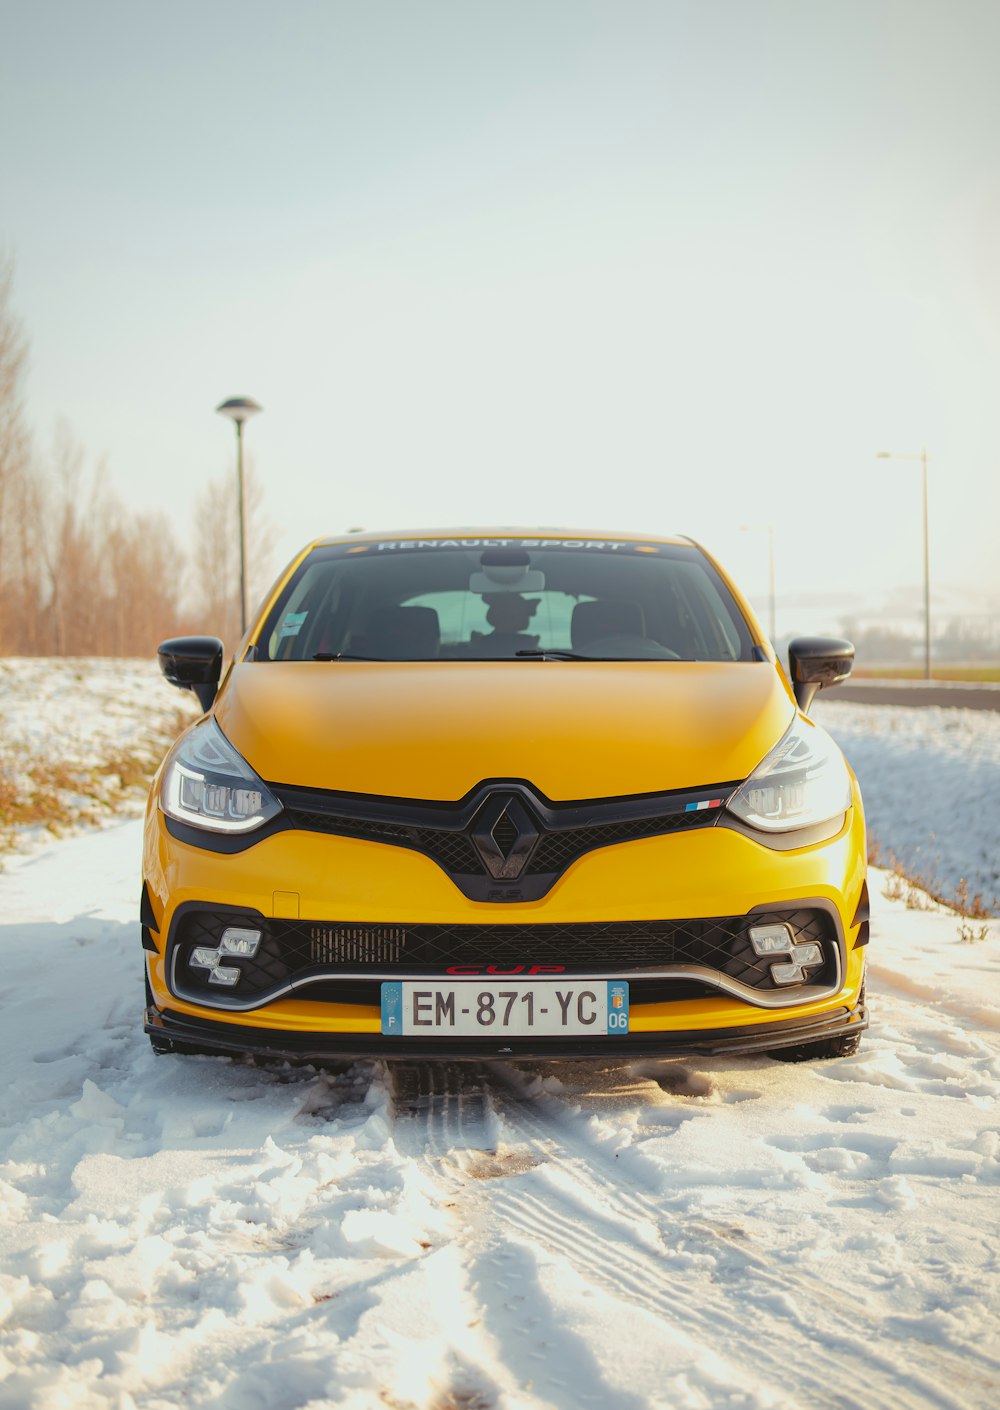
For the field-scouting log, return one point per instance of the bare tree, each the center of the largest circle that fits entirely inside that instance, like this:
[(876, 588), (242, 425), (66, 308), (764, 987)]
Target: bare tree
[(72, 556), (15, 450), (108, 581), (22, 586), (80, 574), (141, 560), (216, 568)]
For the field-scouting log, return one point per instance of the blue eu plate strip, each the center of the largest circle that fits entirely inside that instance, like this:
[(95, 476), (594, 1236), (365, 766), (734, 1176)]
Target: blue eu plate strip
[(392, 1008)]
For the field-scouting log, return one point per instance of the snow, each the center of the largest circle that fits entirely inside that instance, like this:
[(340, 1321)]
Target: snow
[(90, 705), (699, 1235), (78, 736), (711, 1233), (930, 778)]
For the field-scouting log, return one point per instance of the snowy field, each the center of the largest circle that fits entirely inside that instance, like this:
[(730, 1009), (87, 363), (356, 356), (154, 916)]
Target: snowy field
[(84, 708), (691, 1235), (80, 737), (930, 779), (700, 1234)]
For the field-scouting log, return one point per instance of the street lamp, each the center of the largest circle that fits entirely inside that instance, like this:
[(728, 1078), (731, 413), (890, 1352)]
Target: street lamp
[(240, 409), (770, 574), (922, 457)]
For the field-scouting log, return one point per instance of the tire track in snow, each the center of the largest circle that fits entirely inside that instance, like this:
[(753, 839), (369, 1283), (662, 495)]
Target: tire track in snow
[(626, 1243), (440, 1107), (942, 1367), (639, 1277)]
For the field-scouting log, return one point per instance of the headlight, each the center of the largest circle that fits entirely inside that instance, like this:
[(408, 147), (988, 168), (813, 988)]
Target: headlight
[(207, 784), (802, 782)]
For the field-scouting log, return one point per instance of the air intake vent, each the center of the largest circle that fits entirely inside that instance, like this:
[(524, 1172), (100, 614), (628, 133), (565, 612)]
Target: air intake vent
[(356, 944)]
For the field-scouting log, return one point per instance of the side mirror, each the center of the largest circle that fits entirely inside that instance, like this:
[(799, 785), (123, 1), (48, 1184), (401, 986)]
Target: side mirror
[(193, 663), (815, 662)]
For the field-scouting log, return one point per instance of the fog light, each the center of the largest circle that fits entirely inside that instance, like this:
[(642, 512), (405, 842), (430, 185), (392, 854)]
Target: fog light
[(771, 939), (783, 973), (224, 974), (807, 954), (205, 958), (237, 941)]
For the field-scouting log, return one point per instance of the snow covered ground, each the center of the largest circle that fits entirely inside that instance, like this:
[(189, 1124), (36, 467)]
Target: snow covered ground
[(696, 1235), (700, 1234), (80, 736), (930, 778), (84, 707)]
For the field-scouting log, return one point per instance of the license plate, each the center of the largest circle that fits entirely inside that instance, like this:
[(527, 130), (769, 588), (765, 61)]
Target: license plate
[(511, 1008)]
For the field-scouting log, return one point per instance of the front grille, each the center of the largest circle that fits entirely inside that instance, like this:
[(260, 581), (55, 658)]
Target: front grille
[(451, 850), (317, 952), (555, 835), (455, 853), (312, 821), (556, 850)]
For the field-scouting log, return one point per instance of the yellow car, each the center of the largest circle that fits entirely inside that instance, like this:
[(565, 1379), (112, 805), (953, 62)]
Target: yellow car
[(505, 793)]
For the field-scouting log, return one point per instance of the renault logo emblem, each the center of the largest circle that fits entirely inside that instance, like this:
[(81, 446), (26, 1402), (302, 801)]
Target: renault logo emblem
[(504, 835)]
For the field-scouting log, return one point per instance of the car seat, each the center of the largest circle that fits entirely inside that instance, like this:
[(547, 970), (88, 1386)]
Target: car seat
[(593, 621), (401, 634)]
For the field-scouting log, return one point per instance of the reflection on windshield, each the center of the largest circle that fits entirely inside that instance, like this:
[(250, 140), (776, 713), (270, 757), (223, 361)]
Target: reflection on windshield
[(506, 602)]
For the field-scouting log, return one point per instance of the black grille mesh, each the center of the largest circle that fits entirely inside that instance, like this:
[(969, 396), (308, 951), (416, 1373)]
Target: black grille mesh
[(556, 850), (453, 850), (294, 950)]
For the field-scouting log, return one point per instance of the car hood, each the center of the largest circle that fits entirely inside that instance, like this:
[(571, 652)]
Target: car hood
[(437, 729)]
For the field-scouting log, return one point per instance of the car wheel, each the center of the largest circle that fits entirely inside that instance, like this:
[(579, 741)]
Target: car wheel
[(844, 1045)]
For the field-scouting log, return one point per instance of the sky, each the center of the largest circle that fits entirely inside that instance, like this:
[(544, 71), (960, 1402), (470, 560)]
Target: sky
[(674, 267)]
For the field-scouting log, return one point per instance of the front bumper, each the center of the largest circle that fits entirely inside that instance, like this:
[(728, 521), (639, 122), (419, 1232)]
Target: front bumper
[(209, 1035), (704, 873)]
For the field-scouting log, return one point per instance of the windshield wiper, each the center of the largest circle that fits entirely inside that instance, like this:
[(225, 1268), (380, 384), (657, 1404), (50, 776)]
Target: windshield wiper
[(353, 656), (549, 653), (343, 656)]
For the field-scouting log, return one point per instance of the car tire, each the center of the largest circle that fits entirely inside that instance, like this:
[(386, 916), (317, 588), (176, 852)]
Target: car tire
[(844, 1045)]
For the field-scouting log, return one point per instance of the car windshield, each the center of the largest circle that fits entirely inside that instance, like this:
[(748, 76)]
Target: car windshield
[(505, 599)]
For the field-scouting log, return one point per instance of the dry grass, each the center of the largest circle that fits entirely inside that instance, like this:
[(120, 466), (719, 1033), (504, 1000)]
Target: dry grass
[(972, 934), (58, 795), (920, 892)]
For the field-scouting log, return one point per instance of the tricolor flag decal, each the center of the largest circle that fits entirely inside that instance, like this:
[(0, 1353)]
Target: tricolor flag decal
[(705, 803)]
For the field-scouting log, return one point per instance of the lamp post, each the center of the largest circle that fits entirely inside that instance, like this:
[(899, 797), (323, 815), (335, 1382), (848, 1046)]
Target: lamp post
[(770, 577), (922, 457), (240, 409)]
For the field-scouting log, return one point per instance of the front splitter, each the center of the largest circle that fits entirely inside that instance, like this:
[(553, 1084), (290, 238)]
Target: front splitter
[(181, 1033)]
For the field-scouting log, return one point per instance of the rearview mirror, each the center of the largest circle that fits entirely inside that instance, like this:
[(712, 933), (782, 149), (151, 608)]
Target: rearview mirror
[(815, 662), (193, 663)]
